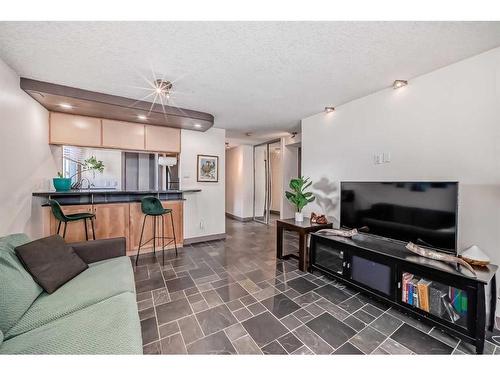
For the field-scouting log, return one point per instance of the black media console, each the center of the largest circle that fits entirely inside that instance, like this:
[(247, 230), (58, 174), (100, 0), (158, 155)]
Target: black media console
[(441, 294)]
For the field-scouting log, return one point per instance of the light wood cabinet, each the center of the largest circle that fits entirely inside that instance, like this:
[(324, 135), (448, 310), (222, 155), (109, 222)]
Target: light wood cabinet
[(75, 231), (122, 135), (111, 220), (136, 220), (163, 139), (74, 130)]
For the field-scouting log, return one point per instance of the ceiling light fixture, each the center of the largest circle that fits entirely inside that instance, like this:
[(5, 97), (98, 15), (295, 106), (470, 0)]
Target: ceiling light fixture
[(142, 117), (163, 88), (399, 83), (329, 109), (197, 125), (66, 106)]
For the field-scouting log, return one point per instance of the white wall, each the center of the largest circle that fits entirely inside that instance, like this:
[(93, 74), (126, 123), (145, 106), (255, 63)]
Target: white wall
[(204, 212), (289, 158), (444, 125), (276, 167), (239, 181), (27, 162)]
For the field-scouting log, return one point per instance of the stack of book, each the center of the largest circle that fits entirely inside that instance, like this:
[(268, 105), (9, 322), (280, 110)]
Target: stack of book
[(435, 298)]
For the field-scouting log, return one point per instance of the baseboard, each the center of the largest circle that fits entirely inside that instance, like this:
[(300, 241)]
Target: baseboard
[(234, 217), (210, 237), (274, 212)]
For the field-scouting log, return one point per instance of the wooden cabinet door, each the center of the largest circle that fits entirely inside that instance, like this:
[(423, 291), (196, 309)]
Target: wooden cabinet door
[(111, 220), (136, 220), (122, 135), (74, 130), (163, 139), (75, 232)]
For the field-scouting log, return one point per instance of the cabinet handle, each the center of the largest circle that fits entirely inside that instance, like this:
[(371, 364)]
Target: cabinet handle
[(348, 265), (399, 285)]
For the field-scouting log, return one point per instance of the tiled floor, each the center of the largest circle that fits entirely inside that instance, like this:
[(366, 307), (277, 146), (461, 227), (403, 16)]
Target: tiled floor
[(233, 296)]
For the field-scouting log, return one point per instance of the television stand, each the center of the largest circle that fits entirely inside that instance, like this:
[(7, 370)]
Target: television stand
[(438, 293)]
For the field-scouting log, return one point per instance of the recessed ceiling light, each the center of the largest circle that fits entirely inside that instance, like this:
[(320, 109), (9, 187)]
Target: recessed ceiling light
[(65, 106), (197, 125), (399, 83), (329, 109), (142, 117)]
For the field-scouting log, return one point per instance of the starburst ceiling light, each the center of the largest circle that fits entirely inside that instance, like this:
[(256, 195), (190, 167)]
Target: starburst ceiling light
[(163, 88), (397, 84)]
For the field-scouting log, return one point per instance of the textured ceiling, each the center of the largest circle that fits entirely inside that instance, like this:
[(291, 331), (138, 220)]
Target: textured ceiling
[(252, 76)]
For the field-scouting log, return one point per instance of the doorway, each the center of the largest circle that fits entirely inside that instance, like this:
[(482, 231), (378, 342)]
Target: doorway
[(268, 178)]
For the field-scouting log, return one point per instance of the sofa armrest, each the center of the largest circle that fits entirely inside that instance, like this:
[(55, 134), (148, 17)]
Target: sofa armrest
[(94, 251)]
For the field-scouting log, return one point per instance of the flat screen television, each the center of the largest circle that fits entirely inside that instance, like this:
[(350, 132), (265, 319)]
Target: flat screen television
[(422, 212)]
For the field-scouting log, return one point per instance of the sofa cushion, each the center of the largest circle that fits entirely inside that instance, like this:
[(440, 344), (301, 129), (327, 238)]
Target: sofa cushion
[(108, 327), (50, 261), (100, 281), (18, 290)]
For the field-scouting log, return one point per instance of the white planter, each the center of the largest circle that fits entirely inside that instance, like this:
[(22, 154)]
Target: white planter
[(299, 216)]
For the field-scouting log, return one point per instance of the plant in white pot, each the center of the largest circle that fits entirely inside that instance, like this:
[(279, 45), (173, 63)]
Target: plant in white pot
[(298, 196)]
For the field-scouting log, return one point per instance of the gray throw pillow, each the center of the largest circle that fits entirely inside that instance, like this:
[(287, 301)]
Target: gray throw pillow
[(50, 261)]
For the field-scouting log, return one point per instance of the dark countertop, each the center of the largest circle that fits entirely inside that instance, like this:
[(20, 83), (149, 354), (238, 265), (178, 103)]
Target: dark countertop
[(111, 192)]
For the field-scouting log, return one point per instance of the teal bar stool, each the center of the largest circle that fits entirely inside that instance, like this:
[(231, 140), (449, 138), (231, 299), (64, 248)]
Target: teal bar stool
[(59, 215), (151, 206)]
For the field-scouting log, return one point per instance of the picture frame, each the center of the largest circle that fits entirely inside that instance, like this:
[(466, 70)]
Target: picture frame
[(207, 168)]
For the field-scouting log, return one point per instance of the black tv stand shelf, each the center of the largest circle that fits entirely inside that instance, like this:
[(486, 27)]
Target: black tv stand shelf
[(441, 294)]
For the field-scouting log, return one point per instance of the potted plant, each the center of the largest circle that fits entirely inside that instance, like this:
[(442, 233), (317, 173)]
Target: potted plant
[(61, 183), (90, 164), (298, 196)]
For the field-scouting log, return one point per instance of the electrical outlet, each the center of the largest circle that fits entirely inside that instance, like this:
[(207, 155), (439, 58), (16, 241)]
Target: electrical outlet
[(202, 225), (386, 157), (377, 159)]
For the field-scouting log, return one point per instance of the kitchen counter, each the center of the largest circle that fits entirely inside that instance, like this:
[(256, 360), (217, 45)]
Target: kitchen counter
[(100, 196)]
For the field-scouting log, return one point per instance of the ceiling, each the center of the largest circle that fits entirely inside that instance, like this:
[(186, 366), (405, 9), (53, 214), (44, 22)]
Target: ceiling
[(259, 77)]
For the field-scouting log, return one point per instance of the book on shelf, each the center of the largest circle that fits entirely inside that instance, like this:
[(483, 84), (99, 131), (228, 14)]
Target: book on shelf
[(423, 294)]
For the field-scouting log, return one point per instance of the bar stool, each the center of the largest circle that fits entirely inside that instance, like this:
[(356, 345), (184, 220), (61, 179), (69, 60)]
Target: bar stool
[(151, 206), (59, 215)]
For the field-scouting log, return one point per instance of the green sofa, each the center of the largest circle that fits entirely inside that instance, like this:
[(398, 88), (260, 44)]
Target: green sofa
[(94, 313)]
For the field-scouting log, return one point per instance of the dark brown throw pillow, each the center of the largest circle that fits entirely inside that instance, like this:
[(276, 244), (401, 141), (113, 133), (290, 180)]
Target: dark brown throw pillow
[(51, 262)]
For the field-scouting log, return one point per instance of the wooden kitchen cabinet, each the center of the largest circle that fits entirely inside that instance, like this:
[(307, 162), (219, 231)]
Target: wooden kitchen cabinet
[(111, 220), (122, 135), (67, 129), (137, 217), (163, 139)]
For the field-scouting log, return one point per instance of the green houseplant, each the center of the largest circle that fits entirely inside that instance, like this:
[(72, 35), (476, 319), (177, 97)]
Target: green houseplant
[(298, 196), (91, 164)]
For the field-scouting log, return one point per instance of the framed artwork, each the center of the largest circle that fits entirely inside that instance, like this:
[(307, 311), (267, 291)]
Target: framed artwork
[(208, 168)]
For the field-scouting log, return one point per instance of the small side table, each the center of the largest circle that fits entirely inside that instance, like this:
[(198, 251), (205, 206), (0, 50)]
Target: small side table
[(303, 228)]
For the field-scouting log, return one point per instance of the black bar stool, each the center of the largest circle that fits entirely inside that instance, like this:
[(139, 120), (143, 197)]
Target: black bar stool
[(59, 215), (151, 206)]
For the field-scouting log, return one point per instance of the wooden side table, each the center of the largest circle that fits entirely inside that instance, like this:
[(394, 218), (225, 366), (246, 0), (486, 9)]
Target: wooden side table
[(303, 228)]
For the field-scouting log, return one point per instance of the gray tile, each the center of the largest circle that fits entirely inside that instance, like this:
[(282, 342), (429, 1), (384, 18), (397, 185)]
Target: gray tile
[(444, 337), (372, 310), (152, 348), (314, 309), (266, 293), (303, 315), (351, 304), (216, 343), (160, 296), (333, 294), (168, 329), (332, 309), (198, 273), (347, 349), (291, 293), (231, 292), (387, 324), (303, 350), (142, 296), (354, 323), (256, 308), (332, 330), (212, 298), (424, 327), (199, 306), (312, 340), (146, 304), (248, 300), (264, 328), (180, 283), (393, 347), (173, 310), (235, 332), (280, 305), (215, 319), (146, 314), (273, 348), (173, 345), (193, 298), (306, 299), (291, 322), (379, 351), (245, 345), (234, 305), (249, 286), (364, 316), (190, 291), (149, 330), (367, 340), (149, 284), (190, 329), (242, 314), (289, 342), (301, 285), (419, 342)]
